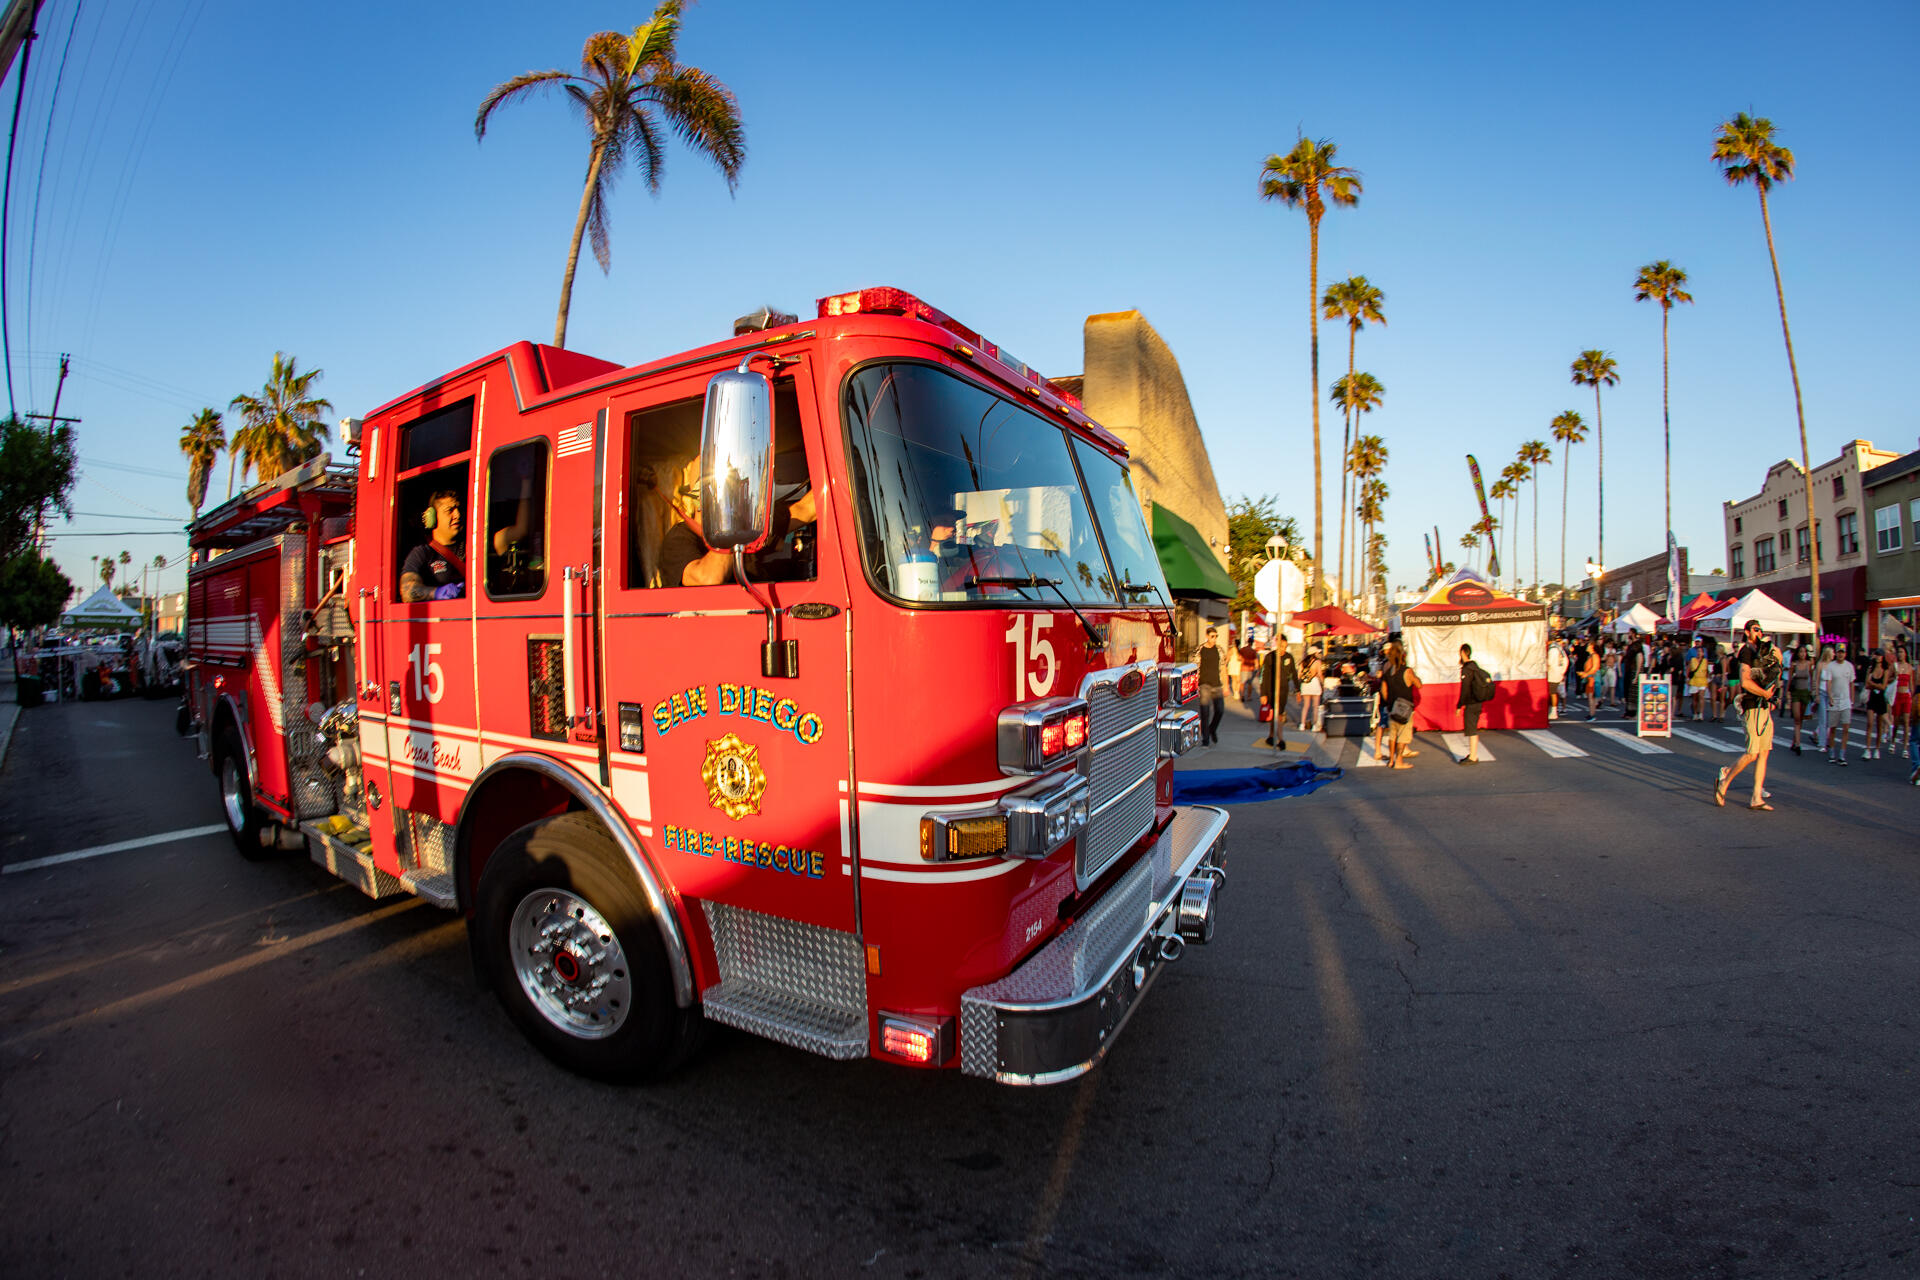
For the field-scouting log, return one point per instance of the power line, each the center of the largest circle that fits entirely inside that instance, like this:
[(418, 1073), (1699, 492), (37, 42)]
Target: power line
[(39, 181), (122, 515), (6, 198)]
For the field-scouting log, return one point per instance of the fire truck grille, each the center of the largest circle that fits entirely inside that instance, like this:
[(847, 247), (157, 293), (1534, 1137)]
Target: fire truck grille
[(1120, 769), (798, 984)]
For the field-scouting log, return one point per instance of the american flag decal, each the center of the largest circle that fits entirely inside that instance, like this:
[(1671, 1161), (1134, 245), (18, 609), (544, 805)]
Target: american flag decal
[(576, 440)]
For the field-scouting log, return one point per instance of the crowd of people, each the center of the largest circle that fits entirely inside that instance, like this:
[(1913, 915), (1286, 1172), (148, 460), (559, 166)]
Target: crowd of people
[(1820, 690)]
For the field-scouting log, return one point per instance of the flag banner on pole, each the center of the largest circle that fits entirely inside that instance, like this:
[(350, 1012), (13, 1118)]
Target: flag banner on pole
[(1431, 562), (1673, 577), (1493, 544)]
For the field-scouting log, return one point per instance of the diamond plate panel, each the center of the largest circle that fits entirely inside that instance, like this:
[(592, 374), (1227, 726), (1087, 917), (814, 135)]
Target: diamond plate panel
[(432, 843), (813, 965), (800, 1024)]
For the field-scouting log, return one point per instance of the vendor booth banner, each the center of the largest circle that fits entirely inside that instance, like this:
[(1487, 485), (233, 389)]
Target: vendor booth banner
[(1509, 639)]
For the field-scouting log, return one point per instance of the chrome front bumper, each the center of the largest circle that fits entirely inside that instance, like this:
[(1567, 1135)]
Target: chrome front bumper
[(1053, 1018)]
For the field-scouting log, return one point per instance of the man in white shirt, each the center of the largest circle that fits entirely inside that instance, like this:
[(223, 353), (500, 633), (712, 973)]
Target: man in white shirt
[(1836, 681), (1556, 676)]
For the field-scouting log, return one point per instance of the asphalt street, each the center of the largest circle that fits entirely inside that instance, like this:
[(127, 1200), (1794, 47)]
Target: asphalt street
[(1556, 1015)]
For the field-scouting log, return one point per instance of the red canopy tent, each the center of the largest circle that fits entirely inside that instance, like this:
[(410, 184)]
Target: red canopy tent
[(1335, 620), (1691, 612), (1509, 639)]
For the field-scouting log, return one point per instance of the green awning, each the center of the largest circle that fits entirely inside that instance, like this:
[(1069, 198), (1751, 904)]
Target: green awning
[(1189, 563)]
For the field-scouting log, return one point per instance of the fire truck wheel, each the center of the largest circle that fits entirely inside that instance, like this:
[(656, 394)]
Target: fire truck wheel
[(572, 951), (236, 798)]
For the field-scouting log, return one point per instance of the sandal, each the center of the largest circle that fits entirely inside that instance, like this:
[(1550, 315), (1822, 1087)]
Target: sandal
[(1761, 805), (1720, 789)]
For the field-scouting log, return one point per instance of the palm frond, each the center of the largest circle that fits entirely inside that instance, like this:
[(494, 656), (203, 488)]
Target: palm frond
[(705, 115), (501, 94), (652, 43)]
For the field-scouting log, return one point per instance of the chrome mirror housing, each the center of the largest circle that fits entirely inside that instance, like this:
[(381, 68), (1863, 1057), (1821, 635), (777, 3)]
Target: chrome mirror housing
[(736, 461)]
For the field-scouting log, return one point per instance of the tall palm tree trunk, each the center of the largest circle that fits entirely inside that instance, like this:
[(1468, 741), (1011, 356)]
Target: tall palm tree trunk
[(1600, 453), (233, 456), (1313, 328), (1799, 409), (1346, 434), (1666, 417), (1566, 479), (573, 250), (1536, 530)]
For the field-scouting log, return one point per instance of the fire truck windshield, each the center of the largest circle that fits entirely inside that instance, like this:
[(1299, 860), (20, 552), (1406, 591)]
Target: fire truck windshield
[(964, 496)]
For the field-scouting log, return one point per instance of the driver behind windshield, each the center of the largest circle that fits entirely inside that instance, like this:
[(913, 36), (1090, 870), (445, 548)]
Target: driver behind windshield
[(432, 570), (687, 561)]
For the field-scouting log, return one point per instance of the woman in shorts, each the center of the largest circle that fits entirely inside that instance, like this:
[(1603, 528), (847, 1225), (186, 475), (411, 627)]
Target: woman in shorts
[(1310, 684), (1800, 688), (1903, 701), (1699, 668), (1878, 677)]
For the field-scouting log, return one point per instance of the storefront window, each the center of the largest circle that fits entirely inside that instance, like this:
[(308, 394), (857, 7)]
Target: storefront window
[(1763, 561), (1848, 527), (1738, 562), (1886, 529), (963, 496)]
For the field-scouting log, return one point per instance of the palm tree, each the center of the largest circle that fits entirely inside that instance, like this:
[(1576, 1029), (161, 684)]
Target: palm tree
[(1373, 498), (106, 571), (1357, 393), (1663, 282), (126, 558), (1366, 458), (1569, 430), (283, 426), (628, 87), (1595, 368), (202, 442), (1516, 474), (1746, 152), (1356, 300), (1470, 543), (1306, 178), (1487, 527), (1534, 454)]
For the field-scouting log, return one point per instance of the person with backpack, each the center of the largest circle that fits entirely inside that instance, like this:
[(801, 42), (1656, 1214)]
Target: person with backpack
[(1476, 691)]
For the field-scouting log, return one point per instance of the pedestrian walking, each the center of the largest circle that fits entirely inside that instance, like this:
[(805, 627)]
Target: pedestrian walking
[(1836, 682), (1311, 681), (1698, 667), (1401, 688), (1800, 688), (1476, 691), (1278, 676), (1758, 664), (1590, 675), (1903, 699), (1879, 676), (1557, 663), (1213, 694)]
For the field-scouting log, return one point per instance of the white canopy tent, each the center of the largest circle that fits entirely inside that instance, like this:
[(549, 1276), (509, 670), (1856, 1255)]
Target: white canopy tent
[(1772, 615), (1639, 618), (102, 609)]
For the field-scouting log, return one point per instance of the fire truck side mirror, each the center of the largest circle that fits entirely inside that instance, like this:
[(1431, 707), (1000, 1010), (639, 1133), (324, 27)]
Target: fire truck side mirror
[(736, 461)]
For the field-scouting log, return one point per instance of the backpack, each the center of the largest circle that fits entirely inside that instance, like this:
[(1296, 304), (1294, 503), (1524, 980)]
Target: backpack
[(1480, 684)]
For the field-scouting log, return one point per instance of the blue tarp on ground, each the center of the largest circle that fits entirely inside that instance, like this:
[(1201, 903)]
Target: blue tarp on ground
[(1248, 786)]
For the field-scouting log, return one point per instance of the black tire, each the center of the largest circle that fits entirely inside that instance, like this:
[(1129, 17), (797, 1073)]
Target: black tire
[(244, 822), (567, 871)]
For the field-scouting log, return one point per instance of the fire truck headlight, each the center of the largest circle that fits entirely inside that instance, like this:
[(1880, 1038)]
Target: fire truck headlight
[(1179, 683), (946, 836), (1179, 732), (1029, 823), (1040, 736)]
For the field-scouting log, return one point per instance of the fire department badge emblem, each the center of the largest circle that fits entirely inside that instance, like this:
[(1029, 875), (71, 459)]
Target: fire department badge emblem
[(735, 781)]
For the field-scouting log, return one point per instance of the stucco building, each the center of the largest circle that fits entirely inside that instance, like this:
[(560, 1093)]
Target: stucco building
[(1891, 532), (1768, 539), (1133, 386)]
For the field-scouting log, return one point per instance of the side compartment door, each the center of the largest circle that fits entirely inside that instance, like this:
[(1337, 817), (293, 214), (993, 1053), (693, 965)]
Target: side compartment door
[(736, 781)]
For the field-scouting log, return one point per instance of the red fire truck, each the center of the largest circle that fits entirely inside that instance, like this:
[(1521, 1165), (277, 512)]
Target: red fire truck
[(816, 682)]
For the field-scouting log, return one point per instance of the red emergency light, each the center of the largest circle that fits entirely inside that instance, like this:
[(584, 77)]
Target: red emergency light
[(888, 301), (924, 1040)]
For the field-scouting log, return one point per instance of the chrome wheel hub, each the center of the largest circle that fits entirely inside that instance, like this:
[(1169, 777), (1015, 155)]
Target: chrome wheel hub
[(230, 795), (570, 964)]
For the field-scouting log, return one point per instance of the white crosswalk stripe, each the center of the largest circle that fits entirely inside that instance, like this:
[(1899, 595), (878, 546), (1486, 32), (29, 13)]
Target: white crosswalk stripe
[(1642, 745), (1457, 744), (1716, 744), (1551, 743), (1366, 759)]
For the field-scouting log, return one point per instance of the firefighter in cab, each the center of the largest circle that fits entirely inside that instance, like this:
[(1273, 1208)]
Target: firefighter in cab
[(432, 570)]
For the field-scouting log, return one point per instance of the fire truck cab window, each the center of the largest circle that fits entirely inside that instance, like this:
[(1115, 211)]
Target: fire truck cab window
[(664, 548), (440, 434), (964, 496), (432, 527), (516, 548)]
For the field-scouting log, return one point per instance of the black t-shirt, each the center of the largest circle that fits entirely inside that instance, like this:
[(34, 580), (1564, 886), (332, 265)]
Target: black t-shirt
[(1764, 660), (680, 548), (1210, 667), (434, 565), (787, 557)]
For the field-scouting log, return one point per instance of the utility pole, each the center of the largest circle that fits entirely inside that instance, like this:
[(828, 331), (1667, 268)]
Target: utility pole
[(52, 419)]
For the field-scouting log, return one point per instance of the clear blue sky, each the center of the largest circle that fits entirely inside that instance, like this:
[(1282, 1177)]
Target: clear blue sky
[(223, 180)]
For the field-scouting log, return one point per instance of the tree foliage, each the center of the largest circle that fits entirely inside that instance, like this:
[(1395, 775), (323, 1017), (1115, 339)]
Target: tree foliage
[(37, 472), (33, 591), (1250, 522), (628, 88), (283, 426)]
